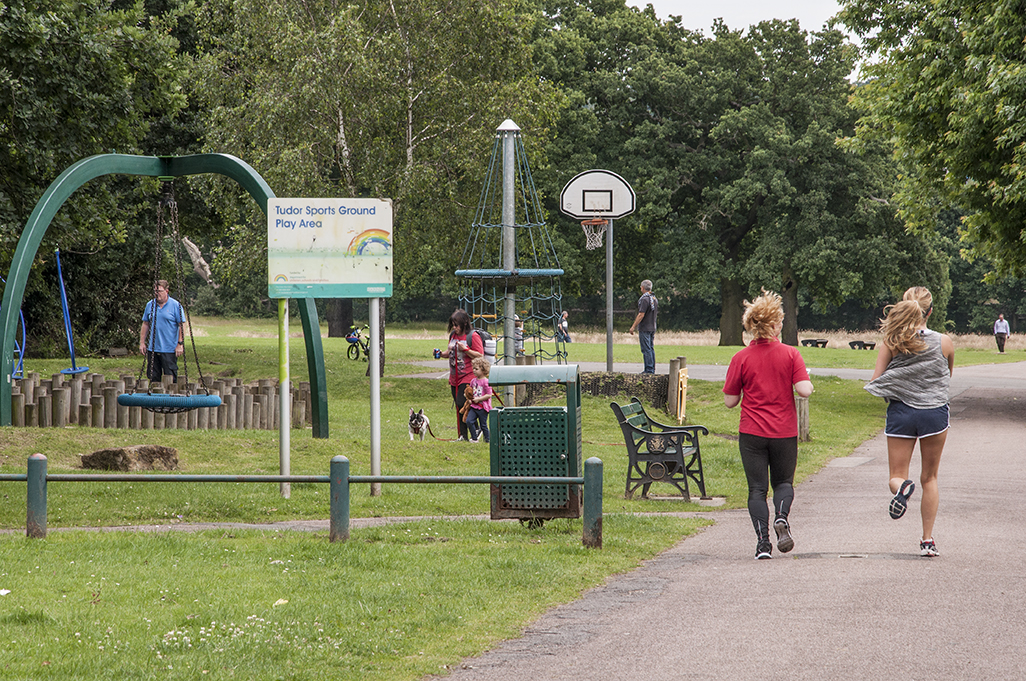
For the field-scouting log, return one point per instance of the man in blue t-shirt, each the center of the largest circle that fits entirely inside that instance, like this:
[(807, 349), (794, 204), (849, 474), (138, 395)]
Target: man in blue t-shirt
[(162, 337), (645, 323)]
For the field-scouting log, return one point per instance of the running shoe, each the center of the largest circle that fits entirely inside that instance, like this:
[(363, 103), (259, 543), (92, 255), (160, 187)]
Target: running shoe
[(900, 501), (764, 550), (928, 548), (784, 540)]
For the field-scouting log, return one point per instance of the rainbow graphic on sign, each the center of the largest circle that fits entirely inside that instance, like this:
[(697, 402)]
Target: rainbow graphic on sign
[(370, 242), (281, 278)]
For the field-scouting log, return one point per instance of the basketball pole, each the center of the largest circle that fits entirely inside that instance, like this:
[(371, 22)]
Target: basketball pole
[(609, 297)]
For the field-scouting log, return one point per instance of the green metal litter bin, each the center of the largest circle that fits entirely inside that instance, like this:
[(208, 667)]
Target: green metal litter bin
[(537, 441)]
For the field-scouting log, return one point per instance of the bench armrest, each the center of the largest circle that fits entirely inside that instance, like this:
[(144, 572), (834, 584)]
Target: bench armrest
[(693, 430)]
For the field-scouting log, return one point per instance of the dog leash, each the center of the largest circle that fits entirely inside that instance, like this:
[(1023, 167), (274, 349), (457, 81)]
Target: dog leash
[(446, 439)]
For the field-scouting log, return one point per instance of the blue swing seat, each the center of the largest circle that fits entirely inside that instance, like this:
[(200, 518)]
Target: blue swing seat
[(168, 404)]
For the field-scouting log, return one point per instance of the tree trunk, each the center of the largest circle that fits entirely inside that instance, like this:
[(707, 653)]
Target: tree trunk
[(789, 292), (381, 340), (732, 307), (339, 312)]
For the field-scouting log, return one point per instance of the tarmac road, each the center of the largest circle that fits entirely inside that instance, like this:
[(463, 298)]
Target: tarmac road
[(854, 600)]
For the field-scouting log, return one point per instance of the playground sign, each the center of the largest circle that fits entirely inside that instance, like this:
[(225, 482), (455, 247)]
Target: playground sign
[(329, 248)]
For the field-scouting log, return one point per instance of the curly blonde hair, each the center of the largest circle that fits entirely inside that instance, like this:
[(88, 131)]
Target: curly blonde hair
[(902, 321), (762, 314), (483, 364)]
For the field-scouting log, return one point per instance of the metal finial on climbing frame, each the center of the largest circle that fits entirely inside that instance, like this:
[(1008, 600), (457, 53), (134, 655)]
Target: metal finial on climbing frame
[(509, 265)]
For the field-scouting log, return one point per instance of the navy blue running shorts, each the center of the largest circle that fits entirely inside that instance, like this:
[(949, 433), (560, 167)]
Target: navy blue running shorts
[(906, 421)]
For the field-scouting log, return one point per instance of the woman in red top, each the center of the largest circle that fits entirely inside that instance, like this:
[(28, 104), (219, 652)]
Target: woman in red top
[(767, 373), (461, 352)]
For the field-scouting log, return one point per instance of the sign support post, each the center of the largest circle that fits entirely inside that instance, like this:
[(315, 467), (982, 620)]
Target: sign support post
[(285, 420), (375, 394)]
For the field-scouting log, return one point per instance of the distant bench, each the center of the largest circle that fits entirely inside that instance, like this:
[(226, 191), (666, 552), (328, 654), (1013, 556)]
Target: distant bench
[(815, 342), (862, 345), (659, 453)]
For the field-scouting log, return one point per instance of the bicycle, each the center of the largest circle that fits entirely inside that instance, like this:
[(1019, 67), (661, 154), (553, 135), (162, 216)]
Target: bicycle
[(357, 341)]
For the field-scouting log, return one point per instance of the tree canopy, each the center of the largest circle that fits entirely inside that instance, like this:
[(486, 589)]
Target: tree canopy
[(731, 144), (730, 139), (944, 84), (394, 99)]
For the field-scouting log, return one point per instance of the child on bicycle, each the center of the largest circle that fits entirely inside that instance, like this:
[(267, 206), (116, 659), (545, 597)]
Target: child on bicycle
[(481, 403)]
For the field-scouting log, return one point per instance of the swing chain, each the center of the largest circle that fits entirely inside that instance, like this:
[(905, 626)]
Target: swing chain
[(183, 299)]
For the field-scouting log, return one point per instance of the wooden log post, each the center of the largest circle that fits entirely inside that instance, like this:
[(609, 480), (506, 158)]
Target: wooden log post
[(120, 410), (202, 418), (45, 411), (110, 406), (238, 391), (74, 399), (96, 404), (32, 415), (18, 410), (28, 386), (247, 410), (229, 410), (60, 405), (802, 407), (299, 414), (304, 392), (671, 386), (85, 415)]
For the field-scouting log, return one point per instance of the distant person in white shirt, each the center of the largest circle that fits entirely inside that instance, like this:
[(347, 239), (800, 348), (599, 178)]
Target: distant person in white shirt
[(1001, 332)]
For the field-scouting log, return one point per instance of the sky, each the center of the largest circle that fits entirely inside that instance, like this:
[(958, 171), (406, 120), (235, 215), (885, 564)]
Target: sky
[(740, 14)]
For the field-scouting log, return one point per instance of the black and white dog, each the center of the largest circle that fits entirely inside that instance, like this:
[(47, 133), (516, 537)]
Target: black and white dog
[(418, 424)]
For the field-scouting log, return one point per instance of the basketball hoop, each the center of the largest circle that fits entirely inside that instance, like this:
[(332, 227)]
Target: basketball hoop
[(593, 231)]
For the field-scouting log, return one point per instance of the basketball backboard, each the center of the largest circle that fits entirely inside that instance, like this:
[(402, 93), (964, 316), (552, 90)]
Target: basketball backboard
[(597, 194)]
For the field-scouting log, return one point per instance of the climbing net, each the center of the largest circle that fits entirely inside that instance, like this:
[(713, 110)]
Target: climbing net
[(532, 285)]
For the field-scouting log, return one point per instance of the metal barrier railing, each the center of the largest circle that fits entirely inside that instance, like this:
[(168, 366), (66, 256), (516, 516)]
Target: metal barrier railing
[(338, 480)]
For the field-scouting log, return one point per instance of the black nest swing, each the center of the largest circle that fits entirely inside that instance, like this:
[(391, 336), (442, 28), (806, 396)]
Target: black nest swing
[(170, 403)]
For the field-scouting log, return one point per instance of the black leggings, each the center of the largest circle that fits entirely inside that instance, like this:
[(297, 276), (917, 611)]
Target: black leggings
[(459, 396), (780, 456)]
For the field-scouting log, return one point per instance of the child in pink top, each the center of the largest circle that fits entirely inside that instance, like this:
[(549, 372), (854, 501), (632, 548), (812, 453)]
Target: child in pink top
[(481, 403)]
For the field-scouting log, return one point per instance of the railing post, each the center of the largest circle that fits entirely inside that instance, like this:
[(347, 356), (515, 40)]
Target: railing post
[(35, 525), (593, 502), (339, 494)]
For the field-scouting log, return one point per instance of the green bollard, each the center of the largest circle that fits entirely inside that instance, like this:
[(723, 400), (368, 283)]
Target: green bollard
[(35, 525), (593, 502), (339, 494)]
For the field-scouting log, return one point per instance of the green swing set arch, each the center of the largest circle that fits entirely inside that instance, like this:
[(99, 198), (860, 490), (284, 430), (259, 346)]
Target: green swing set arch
[(92, 167)]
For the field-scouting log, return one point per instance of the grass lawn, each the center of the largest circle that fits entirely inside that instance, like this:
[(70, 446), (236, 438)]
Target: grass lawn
[(395, 602)]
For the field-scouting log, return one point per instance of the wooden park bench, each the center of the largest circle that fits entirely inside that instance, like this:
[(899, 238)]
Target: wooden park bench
[(659, 453), (815, 342), (862, 345)]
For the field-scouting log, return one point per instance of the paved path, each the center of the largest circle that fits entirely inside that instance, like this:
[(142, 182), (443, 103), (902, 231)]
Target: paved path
[(853, 601)]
